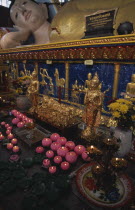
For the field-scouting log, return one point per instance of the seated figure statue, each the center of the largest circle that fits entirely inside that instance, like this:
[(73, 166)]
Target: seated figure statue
[(130, 89)]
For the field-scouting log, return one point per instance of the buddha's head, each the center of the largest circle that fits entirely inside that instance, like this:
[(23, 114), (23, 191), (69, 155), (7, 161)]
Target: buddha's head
[(95, 82), (34, 74), (89, 76), (133, 78), (28, 14)]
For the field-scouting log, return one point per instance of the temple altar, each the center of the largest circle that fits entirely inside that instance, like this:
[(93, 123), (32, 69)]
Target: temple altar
[(113, 59), (62, 75)]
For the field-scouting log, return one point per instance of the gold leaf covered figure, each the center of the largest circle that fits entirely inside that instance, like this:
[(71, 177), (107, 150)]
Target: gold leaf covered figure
[(130, 89), (32, 91), (93, 100)]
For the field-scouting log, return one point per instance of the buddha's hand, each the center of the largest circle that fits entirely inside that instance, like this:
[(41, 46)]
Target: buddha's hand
[(14, 39)]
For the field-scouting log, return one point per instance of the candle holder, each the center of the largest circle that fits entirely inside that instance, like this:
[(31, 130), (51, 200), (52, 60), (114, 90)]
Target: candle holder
[(106, 167), (30, 126), (118, 164)]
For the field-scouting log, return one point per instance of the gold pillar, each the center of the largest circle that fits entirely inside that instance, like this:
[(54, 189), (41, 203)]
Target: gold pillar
[(66, 79), (36, 68), (17, 72), (116, 79)]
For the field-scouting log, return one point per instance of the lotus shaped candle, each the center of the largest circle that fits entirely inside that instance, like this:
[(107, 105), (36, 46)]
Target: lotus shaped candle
[(39, 150), (20, 124), (52, 169), (46, 163), (70, 145), (6, 125), (1, 137), (54, 136), (79, 149), (65, 165), (55, 146), (9, 128), (16, 149), (46, 142), (10, 136), (14, 141), (9, 146), (57, 159), (50, 154), (3, 123), (85, 156), (71, 157), (15, 120), (62, 140), (62, 151), (8, 131)]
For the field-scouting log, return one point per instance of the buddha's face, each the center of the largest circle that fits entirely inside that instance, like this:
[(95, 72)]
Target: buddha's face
[(89, 76), (28, 14), (133, 77)]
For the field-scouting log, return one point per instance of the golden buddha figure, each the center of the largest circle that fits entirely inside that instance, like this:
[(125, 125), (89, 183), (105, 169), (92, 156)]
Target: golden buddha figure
[(130, 89), (93, 100), (88, 81), (32, 91)]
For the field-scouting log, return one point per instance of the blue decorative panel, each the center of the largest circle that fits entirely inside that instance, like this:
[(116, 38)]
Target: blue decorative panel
[(79, 72), (105, 72), (46, 89)]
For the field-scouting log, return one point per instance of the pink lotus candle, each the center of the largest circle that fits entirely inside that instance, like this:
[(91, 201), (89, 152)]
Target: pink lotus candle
[(14, 141), (62, 151), (9, 146), (62, 140), (1, 137), (16, 113), (70, 145), (20, 116), (79, 149), (46, 142), (46, 163), (3, 123), (50, 154), (13, 111), (39, 150), (9, 128), (55, 146), (71, 157), (15, 120), (6, 125), (16, 149), (85, 156), (29, 120), (65, 165), (14, 158), (10, 136), (54, 136), (20, 124), (52, 169), (57, 159), (8, 131)]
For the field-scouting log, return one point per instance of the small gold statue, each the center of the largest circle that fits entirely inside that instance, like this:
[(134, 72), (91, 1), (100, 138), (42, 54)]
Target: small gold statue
[(75, 92), (88, 81), (60, 82), (130, 89), (93, 100), (32, 91)]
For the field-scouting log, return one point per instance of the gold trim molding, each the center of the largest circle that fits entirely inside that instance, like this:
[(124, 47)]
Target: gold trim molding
[(105, 48)]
